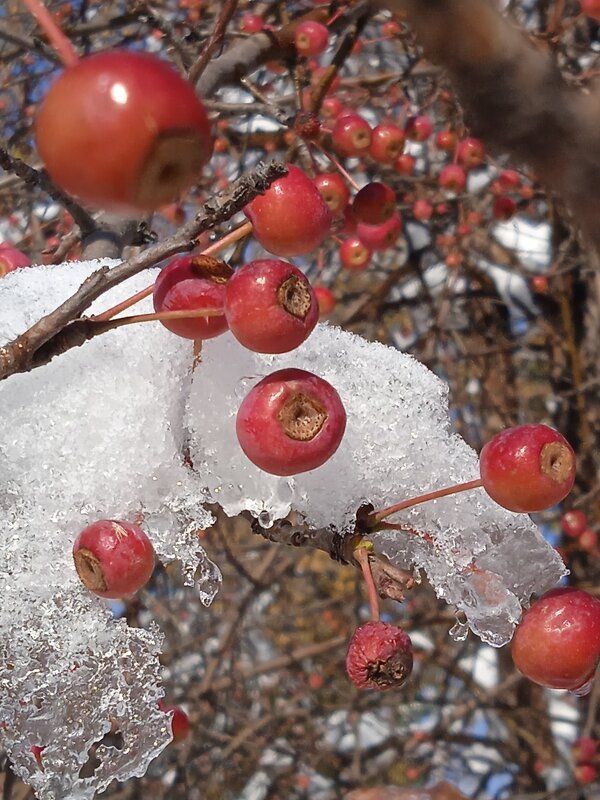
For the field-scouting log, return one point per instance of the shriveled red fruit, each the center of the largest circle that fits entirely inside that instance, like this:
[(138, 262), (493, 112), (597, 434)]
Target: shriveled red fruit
[(557, 643), (573, 522), (379, 656), (374, 203), (290, 218), (334, 191), (180, 722), (311, 38), (11, 259), (307, 125), (527, 468), (380, 237), (453, 177), (123, 131), (354, 255), (418, 128), (270, 306), (471, 152), (351, 135), (387, 142), (325, 299), (193, 283), (290, 422), (113, 558)]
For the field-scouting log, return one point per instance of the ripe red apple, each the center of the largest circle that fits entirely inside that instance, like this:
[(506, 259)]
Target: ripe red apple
[(123, 131)]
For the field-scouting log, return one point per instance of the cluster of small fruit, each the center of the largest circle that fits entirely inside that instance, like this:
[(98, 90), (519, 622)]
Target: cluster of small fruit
[(578, 534), (584, 752)]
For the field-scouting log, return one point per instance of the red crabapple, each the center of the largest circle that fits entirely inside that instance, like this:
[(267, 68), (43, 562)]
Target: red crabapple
[(405, 164), (180, 722), (380, 237), (113, 558), (591, 8), (251, 23), (527, 468), (557, 643), (325, 299), (584, 749), (422, 210), (374, 203), (123, 131), (351, 135), (379, 656), (11, 259), (290, 218), (588, 541), (188, 284), (471, 152), (354, 255), (334, 191), (446, 140), (270, 306), (453, 178), (509, 179), (290, 422), (331, 107), (586, 773), (311, 38), (504, 208), (387, 143), (573, 522), (419, 128)]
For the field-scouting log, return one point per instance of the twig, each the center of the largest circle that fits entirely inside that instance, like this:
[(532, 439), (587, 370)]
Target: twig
[(215, 40), (61, 330)]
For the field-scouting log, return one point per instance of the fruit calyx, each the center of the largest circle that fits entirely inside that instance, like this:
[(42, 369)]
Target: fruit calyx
[(213, 269), (295, 297), (165, 173), (302, 417), (90, 570), (556, 461)]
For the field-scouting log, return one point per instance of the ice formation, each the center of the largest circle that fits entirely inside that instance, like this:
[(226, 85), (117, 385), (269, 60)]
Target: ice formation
[(101, 431)]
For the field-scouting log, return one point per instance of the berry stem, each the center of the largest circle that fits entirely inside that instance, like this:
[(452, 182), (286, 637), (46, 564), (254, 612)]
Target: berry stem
[(157, 317), (344, 173), (56, 37), (376, 517), (245, 229), (361, 554)]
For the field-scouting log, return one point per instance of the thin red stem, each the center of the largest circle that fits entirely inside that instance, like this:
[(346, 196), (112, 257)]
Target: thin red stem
[(378, 516), (343, 172), (56, 37), (245, 229), (362, 556), (165, 315)]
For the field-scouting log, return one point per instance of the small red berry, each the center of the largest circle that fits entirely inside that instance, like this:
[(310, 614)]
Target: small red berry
[(504, 208), (374, 203), (290, 218), (113, 558), (419, 128), (387, 143), (573, 522), (270, 306), (193, 283), (422, 210), (405, 164), (527, 468), (11, 259), (557, 643), (331, 107), (311, 38), (180, 722), (290, 422), (539, 284), (509, 179), (325, 299), (584, 749), (588, 541), (351, 135), (471, 152), (379, 656), (123, 130), (446, 140), (354, 255), (252, 23), (453, 178), (307, 125), (334, 191), (586, 773)]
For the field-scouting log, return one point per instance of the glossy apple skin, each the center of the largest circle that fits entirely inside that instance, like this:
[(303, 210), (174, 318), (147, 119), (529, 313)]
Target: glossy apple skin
[(123, 555), (351, 135), (123, 131), (471, 152), (311, 38), (517, 472), (260, 310), (179, 287), (11, 259), (354, 255), (453, 178), (387, 143), (290, 218), (334, 191), (261, 433), (557, 644), (374, 203)]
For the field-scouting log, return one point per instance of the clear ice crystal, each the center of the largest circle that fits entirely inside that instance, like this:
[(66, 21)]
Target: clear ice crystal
[(101, 432)]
